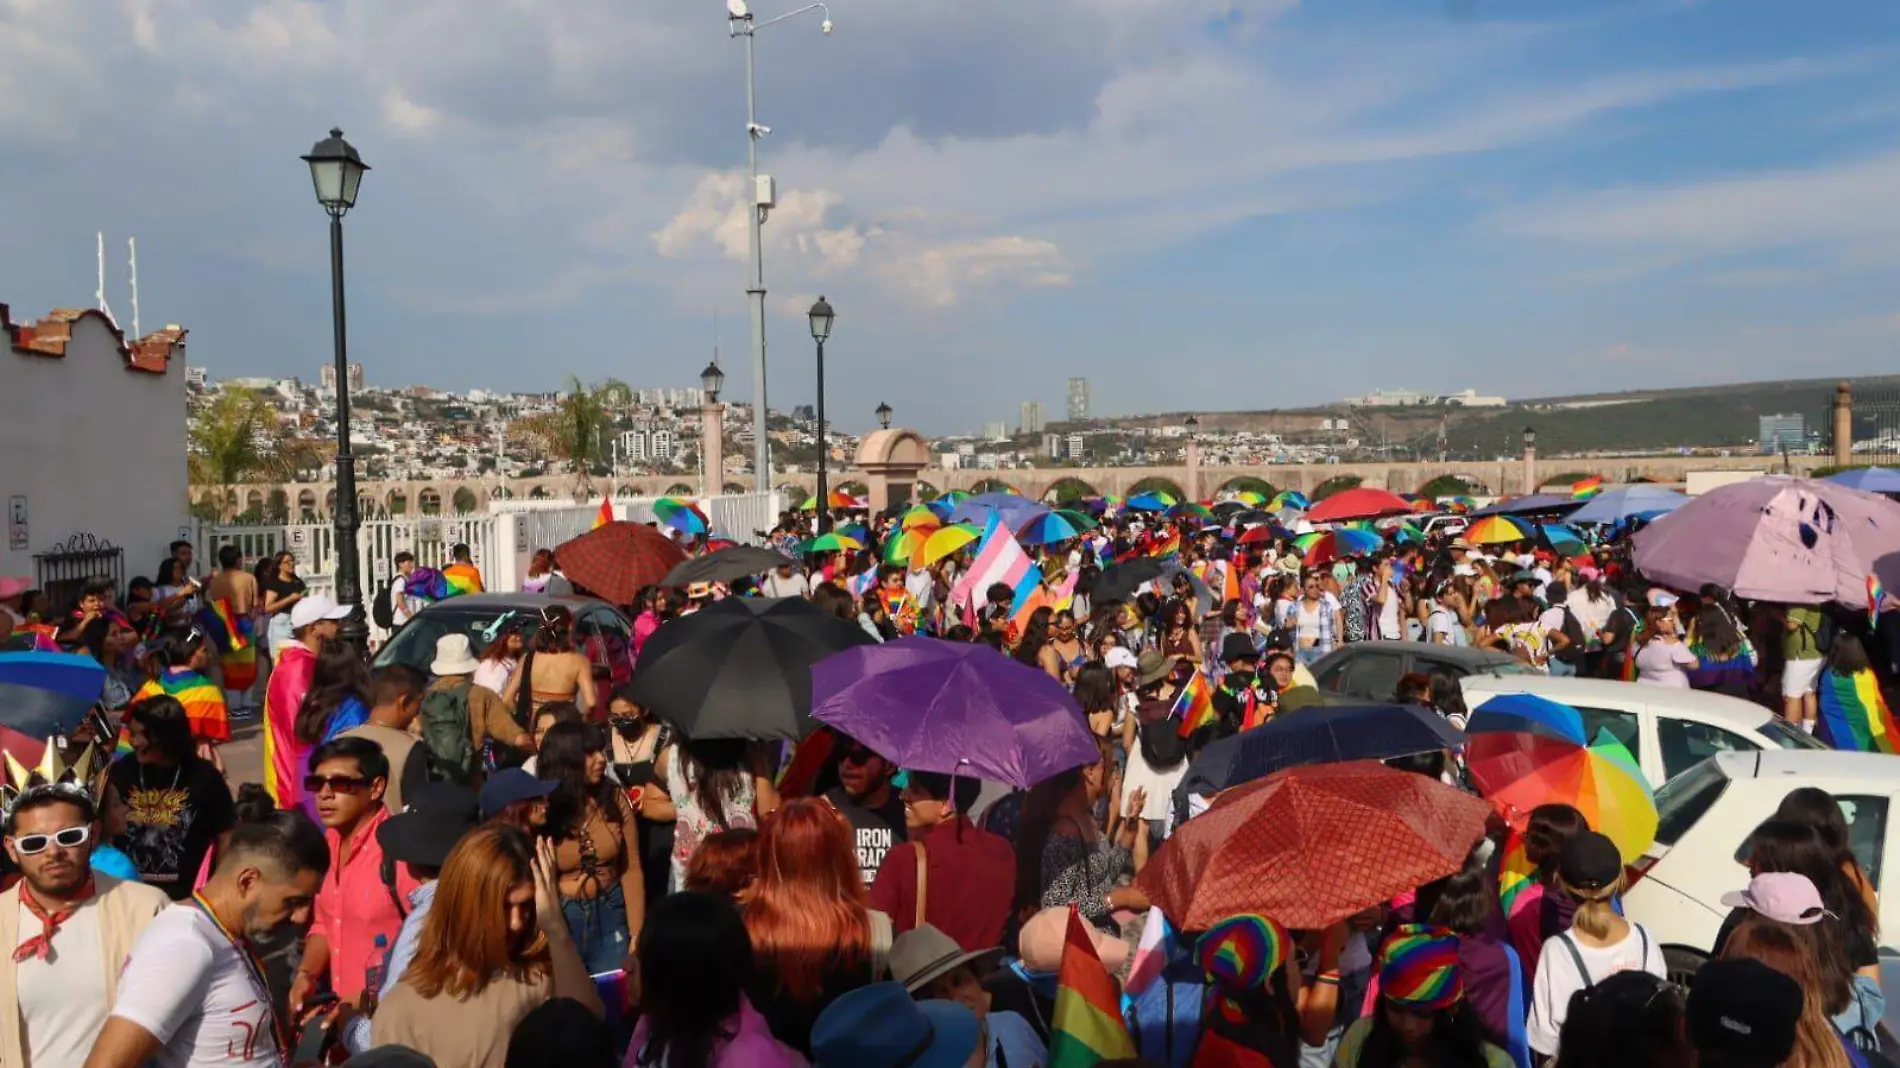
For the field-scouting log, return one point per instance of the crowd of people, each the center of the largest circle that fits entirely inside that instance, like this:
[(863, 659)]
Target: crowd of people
[(503, 860)]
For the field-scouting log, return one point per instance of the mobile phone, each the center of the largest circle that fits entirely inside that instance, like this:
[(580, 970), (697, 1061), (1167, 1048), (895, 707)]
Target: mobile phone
[(318, 1030)]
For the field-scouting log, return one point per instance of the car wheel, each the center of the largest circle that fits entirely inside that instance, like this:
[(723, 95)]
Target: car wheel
[(1680, 964)]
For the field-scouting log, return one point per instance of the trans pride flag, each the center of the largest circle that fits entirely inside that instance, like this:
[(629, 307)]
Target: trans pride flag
[(1854, 714), (999, 558)]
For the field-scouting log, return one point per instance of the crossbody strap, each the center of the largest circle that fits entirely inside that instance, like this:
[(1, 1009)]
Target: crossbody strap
[(1576, 958), (923, 882)]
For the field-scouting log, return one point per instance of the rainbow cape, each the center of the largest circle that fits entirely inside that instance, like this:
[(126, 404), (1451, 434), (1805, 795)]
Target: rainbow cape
[(1195, 705), (231, 634), (203, 701), (462, 578), (1854, 714), (1714, 669), (1087, 1028)]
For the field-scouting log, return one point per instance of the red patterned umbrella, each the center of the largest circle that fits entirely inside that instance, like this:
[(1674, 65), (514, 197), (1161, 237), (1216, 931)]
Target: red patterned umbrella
[(1358, 503), (615, 560), (1312, 845)]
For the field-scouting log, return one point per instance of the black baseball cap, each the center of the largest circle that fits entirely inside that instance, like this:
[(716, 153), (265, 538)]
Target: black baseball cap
[(433, 819), (1743, 1014), (1590, 861), (509, 785)]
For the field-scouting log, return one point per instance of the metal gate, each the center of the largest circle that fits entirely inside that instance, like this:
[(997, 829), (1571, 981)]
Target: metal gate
[(64, 570), (1876, 426)]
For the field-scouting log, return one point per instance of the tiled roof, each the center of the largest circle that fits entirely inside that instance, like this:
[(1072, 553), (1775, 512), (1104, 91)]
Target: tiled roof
[(49, 336)]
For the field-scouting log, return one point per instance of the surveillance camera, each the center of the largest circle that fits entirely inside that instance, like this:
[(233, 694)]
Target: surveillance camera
[(825, 26)]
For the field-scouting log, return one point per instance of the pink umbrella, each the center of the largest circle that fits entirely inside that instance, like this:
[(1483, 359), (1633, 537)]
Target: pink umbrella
[(1793, 540)]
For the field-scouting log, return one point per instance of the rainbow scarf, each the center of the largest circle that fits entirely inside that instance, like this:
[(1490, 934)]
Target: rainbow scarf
[(1087, 1028), (1195, 705), (1854, 714)]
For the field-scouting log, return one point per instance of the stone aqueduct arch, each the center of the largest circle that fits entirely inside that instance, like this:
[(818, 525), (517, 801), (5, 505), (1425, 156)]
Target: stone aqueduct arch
[(1035, 483)]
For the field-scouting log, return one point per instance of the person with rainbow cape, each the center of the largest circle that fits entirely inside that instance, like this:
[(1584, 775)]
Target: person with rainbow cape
[(1853, 712)]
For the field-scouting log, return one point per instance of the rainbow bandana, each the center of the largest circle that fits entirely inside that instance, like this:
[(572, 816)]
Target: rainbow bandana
[(1240, 954), (1418, 968)]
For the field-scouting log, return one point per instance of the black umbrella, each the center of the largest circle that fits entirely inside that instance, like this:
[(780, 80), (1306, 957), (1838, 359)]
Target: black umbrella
[(741, 667), (740, 561), (1120, 582), (1228, 508), (1323, 735)]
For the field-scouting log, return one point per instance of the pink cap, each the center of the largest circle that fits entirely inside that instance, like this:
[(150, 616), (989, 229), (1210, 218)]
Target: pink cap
[(11, 587), (1781, 896), (1590, 574)]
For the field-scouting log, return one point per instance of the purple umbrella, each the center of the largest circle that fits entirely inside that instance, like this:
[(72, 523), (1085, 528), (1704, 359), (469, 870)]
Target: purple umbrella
[(953, 708), (1792, 540)]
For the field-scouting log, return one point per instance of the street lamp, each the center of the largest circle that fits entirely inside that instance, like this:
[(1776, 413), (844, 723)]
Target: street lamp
[(1530, 437), (821, 316), (1530, 459), (1192, 456), (884, 416), (712, 432), (337, 172), (740, 23), (1193, 425)]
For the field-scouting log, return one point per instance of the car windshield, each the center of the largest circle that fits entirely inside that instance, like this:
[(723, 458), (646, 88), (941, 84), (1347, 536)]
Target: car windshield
[(1777, 731), (414, 645)]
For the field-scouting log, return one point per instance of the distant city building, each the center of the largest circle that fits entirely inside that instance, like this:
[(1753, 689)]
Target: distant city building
[(1408, 398), (805, 413), (326, 377), (195, 377), (691, 397), (1031, 421), (647, 442), (997, 431), (1783, 431), (1052, 446), (1078, 399), (1076, 448)]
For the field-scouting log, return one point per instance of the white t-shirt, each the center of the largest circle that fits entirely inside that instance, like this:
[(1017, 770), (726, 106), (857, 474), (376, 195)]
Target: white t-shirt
[(188, 986), (1558, 978), (1157, 786), (398, 600), (1389, 626), (776, 585), (63, 1000)]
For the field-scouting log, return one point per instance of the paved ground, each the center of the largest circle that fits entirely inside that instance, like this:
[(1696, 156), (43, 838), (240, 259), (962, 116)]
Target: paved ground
[(243, 755)]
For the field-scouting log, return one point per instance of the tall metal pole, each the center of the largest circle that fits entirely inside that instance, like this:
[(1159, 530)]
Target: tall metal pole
[(349, 580), (755, 291), (824, 450)]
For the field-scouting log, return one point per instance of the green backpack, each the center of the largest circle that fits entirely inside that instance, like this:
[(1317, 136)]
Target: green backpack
[(445, 735)]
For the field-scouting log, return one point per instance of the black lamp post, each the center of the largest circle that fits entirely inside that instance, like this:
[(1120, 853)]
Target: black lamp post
[(713, 381), (338, 171), (1530, 437), (883, 416), (821, 316)]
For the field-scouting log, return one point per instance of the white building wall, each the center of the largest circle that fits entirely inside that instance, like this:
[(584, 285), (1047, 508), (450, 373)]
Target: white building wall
[(94, 447)]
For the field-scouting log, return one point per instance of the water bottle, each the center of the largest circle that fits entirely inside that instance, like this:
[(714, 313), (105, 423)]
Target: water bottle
[(378, 965)]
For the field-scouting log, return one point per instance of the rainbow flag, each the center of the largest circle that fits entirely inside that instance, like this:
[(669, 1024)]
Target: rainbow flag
[(606, 514), (231, 634), (1514, 872), (1585, 488), (1087, 1028), (1876, 593), (1195, 705), (1167, 548), (203, 701), (462, 578), (1854, 714)]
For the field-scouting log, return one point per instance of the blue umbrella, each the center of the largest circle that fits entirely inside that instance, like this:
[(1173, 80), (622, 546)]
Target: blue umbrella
[(1322, 736), (1148, 502), (1525, 713), (1047, 529), (953, 708), (1869, 479), (1617, 504), (1014, 510), (44, 694)]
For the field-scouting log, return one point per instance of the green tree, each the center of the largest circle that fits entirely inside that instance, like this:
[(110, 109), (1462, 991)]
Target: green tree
[(1445, 486), (1336, 484), (577, 431), (233, 440)]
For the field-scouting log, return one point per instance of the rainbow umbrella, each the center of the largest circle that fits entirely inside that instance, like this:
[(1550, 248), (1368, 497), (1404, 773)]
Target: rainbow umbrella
[(682, 516), (42, 695), (1459, 505), (953, 497), (1082, 520), (1152, 501), (1494, 530), (1190, 510), (1048, 528), (1523, 751), (946, 540), (921, 516), (1288, 499), (905, 545), (1330, 545), (941, 509), (1407, 534), (855, 531), (1564, 539), (831, 543), (838, 498), (1251, 497)]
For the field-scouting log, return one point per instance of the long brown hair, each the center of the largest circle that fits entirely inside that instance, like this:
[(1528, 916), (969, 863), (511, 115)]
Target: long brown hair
[(807, 910), (1815, 1044), (465, 943)]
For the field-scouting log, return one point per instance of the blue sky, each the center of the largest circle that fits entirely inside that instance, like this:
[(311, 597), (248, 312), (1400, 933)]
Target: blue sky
[(1196, 203)]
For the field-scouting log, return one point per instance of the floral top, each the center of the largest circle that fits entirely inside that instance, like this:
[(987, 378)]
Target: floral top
[(694, 823), (1078, 873)]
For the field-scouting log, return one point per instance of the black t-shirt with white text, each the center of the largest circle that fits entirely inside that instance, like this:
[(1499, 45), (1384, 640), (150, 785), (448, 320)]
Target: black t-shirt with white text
[(874, 830), (176, 816)]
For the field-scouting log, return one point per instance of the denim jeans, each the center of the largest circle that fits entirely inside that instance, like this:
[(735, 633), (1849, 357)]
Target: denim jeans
[(599, 927), (1561, 670)]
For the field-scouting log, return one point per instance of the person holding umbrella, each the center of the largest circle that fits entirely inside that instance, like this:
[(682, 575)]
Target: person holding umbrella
[(951, 874)]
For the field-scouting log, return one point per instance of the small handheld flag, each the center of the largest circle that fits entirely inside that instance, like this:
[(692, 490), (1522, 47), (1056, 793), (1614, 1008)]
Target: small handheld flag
[(1195, 705), (1087, 1028), (1876, 593), (606, 514)]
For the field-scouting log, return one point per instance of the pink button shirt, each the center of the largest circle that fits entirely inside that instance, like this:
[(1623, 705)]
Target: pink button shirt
[(355, 905)]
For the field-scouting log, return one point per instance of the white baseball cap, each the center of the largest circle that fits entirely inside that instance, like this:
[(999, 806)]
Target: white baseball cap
[(1119, 657), (313, 609)]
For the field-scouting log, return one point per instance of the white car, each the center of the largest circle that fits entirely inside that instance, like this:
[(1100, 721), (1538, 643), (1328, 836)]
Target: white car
[(1669, 731), (1707, 816)]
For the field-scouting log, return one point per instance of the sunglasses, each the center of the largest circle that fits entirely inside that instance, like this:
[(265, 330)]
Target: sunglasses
[(342, 784), (70, 838)]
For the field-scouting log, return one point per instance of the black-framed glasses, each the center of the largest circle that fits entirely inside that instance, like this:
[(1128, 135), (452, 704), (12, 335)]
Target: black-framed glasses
[(341, 784), (67, 838)]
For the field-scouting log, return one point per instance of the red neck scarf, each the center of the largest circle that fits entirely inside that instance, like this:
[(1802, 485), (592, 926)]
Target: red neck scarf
[(41, 945)]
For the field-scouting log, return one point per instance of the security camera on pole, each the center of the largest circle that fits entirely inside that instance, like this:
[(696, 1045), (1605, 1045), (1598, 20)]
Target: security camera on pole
[(764, 195)]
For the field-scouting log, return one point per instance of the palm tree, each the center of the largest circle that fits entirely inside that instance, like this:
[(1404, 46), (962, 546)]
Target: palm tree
[(578, 429), (233, 440)]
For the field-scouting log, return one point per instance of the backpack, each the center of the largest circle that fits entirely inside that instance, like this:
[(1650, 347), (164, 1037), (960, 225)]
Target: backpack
[(1825, 634), (381, 610), (1573, 630), (445, 735)]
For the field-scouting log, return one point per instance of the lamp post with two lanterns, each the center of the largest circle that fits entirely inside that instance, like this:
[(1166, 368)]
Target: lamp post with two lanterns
[(821, 317)]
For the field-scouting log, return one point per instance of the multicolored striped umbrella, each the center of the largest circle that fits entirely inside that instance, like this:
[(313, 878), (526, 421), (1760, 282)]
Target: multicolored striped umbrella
[(1190, 510), (1524, 751), (831, 543), (42, 695), (1494, 530), (946, 540), (953, 497), (1049, 528), (682, 516), (1331, 545), (1251, 497), (1152, 501), (921, 516), (1288, 499)]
